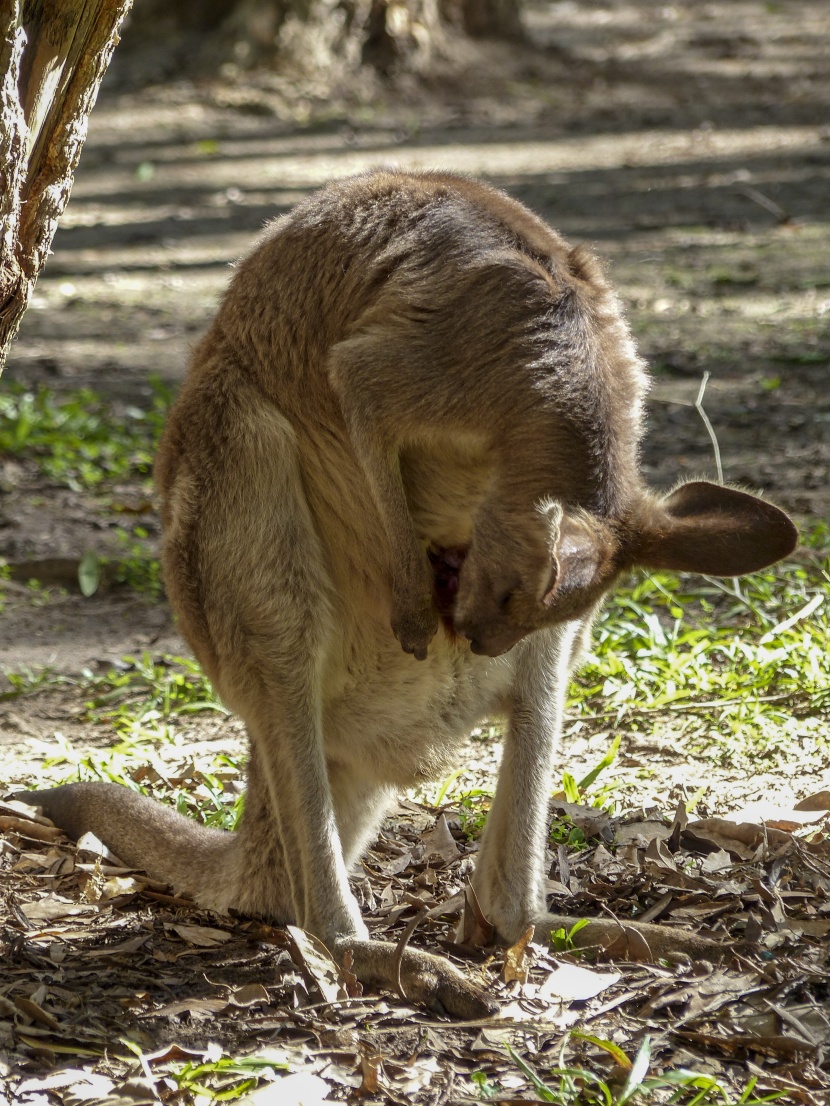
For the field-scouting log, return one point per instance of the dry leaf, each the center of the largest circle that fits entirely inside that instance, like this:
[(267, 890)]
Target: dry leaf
[(204, 937), (50, 907), (474, 929), (310, 954), (408, 1079), (93, 845), (592, 822), (714, 834), (252, 994), (810, 927), (628, 944), (681, 821), (83, 1086), (18, 809), (658, 859), (132, 1092), (641, 834), (517, 959), (572, 983), (117, 886), (716, 861), (300, 1089), (28, 827), (493, 1040), (349, 983), (123, 947), (370, 1070), (819, 801), (786, 818), (201, 1007), (32, 1010), (440, 841)]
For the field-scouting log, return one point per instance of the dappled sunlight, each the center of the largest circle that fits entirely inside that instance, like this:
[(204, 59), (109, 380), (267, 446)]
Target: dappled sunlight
[(688, 145)]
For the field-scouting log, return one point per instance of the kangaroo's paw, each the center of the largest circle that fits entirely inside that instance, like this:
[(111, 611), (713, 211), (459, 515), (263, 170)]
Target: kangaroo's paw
[(415, 626), (425, 979), (628, 940)]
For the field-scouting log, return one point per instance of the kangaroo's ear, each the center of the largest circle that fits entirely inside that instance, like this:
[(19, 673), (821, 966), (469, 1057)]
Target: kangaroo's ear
[(718, 531), (582, 559)]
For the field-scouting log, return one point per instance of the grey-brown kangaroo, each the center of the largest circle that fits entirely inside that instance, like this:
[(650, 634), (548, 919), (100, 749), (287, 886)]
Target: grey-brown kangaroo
[(398, 479)]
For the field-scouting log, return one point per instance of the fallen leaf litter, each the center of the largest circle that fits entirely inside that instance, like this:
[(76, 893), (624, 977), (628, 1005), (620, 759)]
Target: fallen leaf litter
[(110, 987)]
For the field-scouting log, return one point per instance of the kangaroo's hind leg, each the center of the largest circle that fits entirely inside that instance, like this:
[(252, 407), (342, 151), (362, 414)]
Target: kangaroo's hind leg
[(272, 622), (265, 603)]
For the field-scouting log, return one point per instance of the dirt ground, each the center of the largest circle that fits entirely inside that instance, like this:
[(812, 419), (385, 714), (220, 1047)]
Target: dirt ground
[(689, 143)]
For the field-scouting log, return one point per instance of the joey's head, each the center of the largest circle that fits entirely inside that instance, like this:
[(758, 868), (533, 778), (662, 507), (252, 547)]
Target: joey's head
[(556, 564), (548, 567)]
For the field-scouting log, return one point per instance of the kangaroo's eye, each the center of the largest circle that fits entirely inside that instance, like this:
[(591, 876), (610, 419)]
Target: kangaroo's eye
[(504, 599)]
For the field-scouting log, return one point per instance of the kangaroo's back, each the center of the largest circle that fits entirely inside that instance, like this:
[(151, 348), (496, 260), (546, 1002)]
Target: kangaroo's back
[(421, 316)]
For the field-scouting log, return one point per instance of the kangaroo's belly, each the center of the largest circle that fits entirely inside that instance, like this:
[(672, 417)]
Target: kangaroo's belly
[(401, 721)]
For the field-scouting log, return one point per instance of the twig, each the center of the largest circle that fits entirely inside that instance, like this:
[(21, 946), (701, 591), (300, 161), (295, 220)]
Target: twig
[(766, 203), (736, 588), (401, 949), (443, 907), (708, 425), (444, 1094), (681, 706), (735, 593), (805, 612)]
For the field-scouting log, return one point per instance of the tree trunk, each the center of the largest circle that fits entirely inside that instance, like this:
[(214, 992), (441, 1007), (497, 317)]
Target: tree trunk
[(171, 37), (493, 19), (53, 55)]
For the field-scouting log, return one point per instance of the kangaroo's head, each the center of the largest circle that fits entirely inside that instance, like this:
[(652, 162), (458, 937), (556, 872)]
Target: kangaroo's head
[(522, 574)]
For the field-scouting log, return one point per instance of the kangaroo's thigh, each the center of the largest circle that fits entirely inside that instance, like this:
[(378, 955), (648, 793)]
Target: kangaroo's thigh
[(265, 602)]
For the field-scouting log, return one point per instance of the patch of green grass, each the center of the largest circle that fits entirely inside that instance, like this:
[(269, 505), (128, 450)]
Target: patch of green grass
[(136, 568), (5, 574), (564, 832), (562, 940), (41, 595), (486, 1088), (146, 690), (628, 1082), (147, 701), (473, 808), (217, 1077), (473, 803), (748, 659), (743, 665), (78, 438), (29, 681)]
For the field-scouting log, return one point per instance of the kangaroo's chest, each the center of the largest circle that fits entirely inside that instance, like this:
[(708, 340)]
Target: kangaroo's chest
[(395, 719)]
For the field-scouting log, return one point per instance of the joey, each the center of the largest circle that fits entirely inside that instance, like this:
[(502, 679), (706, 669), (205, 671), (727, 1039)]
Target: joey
[(398, 479)]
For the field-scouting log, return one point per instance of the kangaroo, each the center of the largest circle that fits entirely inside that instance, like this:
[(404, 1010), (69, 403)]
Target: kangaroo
[(399, 477)]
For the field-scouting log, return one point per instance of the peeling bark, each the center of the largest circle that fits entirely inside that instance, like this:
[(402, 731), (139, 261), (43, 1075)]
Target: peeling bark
[(53, 57)]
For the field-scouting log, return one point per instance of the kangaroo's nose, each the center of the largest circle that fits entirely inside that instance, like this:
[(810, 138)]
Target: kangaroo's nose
[(472, 633)]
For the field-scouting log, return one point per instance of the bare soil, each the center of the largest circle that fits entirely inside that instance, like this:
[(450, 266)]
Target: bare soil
[(689, 143)]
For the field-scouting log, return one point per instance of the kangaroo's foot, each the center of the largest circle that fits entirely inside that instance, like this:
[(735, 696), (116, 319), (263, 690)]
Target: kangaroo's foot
[(629, 940), (425, 979)]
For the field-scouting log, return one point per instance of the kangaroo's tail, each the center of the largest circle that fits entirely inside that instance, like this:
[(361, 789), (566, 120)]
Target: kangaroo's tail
[(172, 849)]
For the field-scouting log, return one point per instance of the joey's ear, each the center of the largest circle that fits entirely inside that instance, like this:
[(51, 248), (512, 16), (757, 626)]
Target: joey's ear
[(583, 558), (718, 531)]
